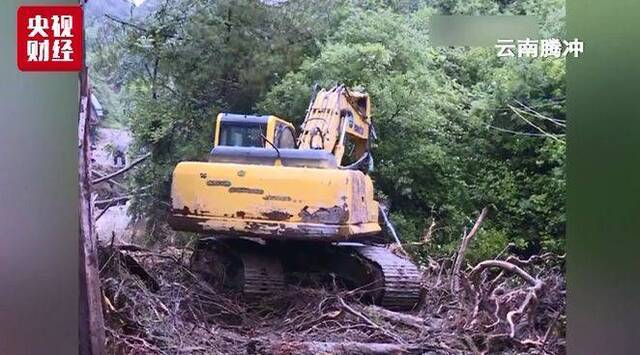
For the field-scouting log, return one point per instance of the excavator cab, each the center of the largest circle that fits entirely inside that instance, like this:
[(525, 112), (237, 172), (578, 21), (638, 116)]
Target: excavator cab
[(233, 130)]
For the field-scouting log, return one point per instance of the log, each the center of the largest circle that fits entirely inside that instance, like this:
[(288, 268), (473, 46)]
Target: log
[(336, 348)]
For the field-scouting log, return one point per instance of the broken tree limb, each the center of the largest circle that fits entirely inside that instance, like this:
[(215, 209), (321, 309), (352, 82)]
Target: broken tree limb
[(116, 200), (369, 321), (101, 175), (396, 317), (132, 247), (114, 254), (112, 201), (123, 170), (104, 210), (473, 276), (455, 275), (426, 239)]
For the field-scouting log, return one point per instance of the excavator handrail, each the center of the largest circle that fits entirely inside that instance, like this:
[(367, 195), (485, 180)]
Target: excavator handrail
[(310, 158)]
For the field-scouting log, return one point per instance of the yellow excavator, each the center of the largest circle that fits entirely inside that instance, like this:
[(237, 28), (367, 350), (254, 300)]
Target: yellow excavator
[(273, 208)]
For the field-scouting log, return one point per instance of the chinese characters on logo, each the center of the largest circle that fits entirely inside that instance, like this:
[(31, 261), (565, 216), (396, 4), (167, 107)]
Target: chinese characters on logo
[(545, 48), (49, 38)]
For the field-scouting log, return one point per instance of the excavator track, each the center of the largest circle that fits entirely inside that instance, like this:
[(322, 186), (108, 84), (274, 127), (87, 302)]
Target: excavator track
[(242, 265), (401, 277), (263, 275), (257, 270)]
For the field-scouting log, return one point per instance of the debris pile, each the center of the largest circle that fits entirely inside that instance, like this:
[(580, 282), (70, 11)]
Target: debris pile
[(154, 304)]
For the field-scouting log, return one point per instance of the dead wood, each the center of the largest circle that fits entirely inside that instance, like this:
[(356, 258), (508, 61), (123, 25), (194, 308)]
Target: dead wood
[(110, 182), (499, 309), (121, 171), (455, 280), (105, 204), (503, 265), (395, 317), (337, 348)]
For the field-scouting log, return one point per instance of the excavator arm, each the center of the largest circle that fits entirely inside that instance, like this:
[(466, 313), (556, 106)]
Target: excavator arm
[(338, 121)]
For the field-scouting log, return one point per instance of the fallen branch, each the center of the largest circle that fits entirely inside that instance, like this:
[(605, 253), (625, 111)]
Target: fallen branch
[(369, 321), (131, 247), (455, 276), (121, 171), (104, 210), (100, 175), (427, 237), (112, 201), (116, 200), (503, 265), (396, 317)]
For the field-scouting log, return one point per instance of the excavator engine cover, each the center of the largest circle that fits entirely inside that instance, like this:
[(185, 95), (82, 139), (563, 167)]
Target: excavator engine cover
[(273, 194)]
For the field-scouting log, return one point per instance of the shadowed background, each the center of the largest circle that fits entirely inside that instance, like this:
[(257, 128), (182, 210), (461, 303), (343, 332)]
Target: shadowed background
[(38, 203), (603, 178)]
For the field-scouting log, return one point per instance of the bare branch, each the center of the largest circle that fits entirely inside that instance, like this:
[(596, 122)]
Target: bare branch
[(473, 275), (123, 170), (109, 202), (125, 23), (455, 279)]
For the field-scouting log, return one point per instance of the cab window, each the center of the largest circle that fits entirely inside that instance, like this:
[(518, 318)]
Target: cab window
[(236, 134)]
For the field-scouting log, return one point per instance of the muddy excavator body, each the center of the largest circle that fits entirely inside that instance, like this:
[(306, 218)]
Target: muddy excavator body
[(269, 204)]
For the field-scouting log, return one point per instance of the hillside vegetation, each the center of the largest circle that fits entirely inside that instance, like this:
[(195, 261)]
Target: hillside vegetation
[(459, 128)]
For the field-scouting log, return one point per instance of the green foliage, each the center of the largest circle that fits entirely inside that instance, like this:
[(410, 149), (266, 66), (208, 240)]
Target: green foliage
[(459, 128), (434, 110)]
